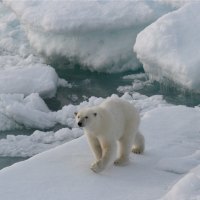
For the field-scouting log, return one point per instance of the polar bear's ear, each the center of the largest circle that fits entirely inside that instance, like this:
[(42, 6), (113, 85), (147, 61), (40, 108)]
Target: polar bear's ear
[(95, 114), (75, 113)]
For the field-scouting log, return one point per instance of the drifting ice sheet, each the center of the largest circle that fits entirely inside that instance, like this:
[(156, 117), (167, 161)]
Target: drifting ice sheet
[(21, 70), (38, 78), (27, 146), (98, 34), (31, 112), (17, 111), (169, 48), (59, 173), (187, 188)]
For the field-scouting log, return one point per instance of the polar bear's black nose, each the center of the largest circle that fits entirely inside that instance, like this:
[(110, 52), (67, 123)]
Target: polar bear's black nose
[(80, 124)]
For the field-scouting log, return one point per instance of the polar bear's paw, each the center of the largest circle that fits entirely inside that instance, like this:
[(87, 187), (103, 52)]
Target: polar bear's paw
[(137, 150), (122, 161), (97, 167), (139, 144)]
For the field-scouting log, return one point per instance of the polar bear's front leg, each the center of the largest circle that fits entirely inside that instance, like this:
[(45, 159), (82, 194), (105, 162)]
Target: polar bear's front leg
[(95, 146), (109, 150)]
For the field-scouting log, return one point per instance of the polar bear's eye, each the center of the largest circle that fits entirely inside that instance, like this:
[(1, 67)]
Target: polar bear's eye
[(86, 117)]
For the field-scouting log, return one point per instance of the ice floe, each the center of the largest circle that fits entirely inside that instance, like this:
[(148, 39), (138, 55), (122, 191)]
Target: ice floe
[(169, 47), (40, 79), (59, 172), (97, 34), (187, 188), (21, 69), (39, 141), (17, 112)]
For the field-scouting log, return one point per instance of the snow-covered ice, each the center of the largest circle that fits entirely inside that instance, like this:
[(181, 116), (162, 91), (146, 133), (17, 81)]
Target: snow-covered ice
[(98, 34), (139, 82), (17, 111), (169, 47), (39, 141), (187, 188), (176, 3), (135, 76), (136, 85), (31, 79), (180, 165), (22, 71), (14, 45), (170, 131)]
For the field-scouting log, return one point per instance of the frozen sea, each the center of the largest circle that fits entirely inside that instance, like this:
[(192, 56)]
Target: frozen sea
[(86, 84), (57, 57), (77, 83)]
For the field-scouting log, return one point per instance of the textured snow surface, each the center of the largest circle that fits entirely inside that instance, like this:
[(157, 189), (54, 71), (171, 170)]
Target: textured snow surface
[(17, 111), (26, 80), (59, 173), (39, 141), (169, 47), (187, 188), (97, 34), (21, 69)]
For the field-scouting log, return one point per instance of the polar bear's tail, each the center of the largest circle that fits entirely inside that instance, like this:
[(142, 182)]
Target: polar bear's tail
[(139, 144)]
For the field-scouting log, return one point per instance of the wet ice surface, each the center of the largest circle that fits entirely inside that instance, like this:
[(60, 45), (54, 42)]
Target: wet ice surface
[(31, 125), (98, 34), (169, 47), (34, 113), (69, 164)]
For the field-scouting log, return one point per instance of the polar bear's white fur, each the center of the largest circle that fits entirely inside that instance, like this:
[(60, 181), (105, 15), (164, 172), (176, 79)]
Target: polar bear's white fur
[(113, 121)]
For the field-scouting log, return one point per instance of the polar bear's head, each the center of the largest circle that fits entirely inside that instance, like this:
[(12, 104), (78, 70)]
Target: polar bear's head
[(87, 118)]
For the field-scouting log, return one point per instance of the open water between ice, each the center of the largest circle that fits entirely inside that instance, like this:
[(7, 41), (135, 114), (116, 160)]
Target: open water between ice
[(86, 84)]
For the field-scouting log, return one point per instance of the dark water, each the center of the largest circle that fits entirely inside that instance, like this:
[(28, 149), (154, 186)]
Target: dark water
[(7, 161), (86, 84)]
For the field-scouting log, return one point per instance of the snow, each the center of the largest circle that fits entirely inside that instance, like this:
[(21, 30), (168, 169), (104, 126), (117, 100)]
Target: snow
[(169, 47), (136, 85), (97, 34), (39, 141), (59, 173), (15, 50), (17, 112), (139, 82), (176, 4), (135, 76), (21, 69), (188, 188), (14, 46), (180, 165), (40, 78), (64, 83)]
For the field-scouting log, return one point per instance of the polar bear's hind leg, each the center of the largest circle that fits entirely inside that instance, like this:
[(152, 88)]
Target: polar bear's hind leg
[(125, 147), (139, 144)]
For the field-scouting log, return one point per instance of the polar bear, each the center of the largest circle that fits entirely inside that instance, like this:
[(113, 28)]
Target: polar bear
[(114, 123)]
